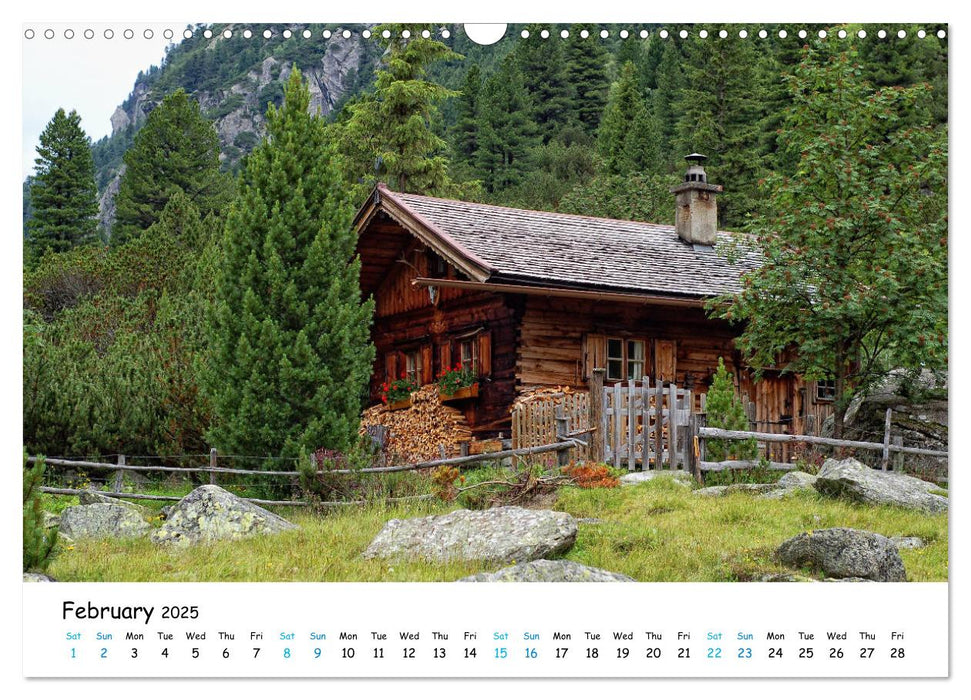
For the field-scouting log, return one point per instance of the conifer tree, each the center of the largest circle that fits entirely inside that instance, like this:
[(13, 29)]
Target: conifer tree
[(719, 110), (466, 132), (506, 130), (669, 79), (39, 541), (290, 352), (176, 150), (63, 196), (586, 61), (541, 64), (628, 135), (388, 135), (726, 411)]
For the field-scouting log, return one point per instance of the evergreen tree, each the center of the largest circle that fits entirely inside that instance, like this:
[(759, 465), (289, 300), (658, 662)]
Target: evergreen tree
[(39, 541), (290, 354), (586, 61), (726, 411), (628, 135), (176, 150), (63, 196), (720, 108), (853, 247), (669, 79), (389, 133), (506, 130), (545, 81), (466, 131)]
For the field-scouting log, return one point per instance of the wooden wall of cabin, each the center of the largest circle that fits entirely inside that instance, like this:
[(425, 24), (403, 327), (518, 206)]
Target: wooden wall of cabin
[(560, 337), (407, 320)]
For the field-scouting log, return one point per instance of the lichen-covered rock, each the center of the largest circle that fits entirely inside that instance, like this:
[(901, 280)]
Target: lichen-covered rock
[(547, 571), (102, 521), (843, 552), (210, 513), (33, 577), (89, 497), (497, 535), (677, 475), (850, 479), (908, 542), (51, 519)]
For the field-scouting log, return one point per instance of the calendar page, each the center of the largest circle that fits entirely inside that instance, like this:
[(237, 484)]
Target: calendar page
[(610, 348)]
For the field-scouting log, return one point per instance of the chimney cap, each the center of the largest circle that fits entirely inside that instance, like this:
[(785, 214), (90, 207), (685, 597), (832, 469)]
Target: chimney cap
[(696, 157)]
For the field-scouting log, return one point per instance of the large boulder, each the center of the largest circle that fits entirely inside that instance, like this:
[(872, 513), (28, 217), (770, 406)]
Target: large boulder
[(848, 478), (843, 552), (102, 521), (498, 535), (919, 416), (210, 513), (546, 571)]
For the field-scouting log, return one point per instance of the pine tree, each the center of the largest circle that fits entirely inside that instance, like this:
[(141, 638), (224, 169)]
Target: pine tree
[(545, 81), (389, 134), (290, 351), (506, 130), (669, 78), (176, 150), (586, 61), (63, 196), (628, 135), (466, 131), (720, 108), (39, 541), (726, 411)]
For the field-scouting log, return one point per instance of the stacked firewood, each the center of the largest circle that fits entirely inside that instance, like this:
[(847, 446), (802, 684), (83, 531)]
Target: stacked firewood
[(544, 393), (417, 433)]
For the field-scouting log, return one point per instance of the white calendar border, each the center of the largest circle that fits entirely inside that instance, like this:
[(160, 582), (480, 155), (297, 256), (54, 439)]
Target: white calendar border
[(501, 10)]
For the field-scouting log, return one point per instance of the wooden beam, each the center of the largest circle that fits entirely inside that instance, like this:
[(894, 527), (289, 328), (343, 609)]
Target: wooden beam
[(619, 297), (812, 440)]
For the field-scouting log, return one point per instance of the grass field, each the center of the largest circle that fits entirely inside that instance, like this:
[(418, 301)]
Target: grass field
[(656, 531)]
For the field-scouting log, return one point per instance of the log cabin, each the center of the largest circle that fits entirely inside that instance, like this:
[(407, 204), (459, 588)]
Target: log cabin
[(528, 299)]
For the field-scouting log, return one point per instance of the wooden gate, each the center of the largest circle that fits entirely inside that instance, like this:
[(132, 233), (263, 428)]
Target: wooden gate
[(646, 425)]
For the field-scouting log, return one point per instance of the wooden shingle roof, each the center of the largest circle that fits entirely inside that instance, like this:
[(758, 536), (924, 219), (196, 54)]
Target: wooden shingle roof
[(525, 247)]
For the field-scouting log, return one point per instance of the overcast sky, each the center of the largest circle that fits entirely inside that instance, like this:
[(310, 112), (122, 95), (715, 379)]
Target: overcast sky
[(92, 76)]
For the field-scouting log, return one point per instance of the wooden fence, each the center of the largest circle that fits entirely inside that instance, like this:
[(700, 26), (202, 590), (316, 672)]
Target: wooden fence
[(561, 448), (540, 421)]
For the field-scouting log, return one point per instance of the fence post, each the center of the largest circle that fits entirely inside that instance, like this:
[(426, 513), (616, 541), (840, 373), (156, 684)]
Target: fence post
[(562, 455), (596, 412), (120, 475), (898, 458), (886, 441), (213, 460), (691, 448)]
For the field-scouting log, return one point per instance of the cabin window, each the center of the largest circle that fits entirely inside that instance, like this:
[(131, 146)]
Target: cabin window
[(413, 366), (626, 359), (469, 355), (826, 390)]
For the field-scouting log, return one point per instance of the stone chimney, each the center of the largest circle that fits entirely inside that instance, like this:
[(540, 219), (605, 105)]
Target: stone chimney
[(696, 217)]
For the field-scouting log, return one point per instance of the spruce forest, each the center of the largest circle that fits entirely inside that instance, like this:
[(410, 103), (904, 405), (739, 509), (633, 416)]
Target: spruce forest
[(190, 283)]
